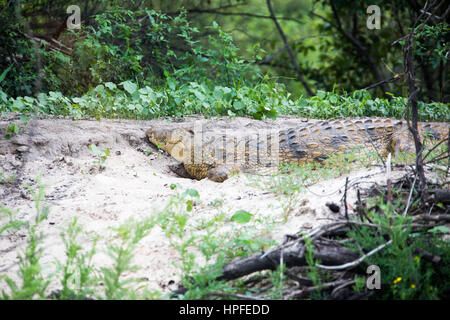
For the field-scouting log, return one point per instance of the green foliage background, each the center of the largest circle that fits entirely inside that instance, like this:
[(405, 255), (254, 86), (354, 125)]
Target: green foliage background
[(151, 58)]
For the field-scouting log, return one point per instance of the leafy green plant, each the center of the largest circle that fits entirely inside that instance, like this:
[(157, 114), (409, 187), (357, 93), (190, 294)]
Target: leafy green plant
[(5, 180), (101, 155), (313, 272), (33, 282), (12, 223), (264, 99), (277, 279), (128, 236), (207, 242), (77, 275), (430, 44), (404, 275), (11, 130), (292, 178), (173, 220), (77, 272), (241, 216), (326, 105), (360, 283), (17, 59)]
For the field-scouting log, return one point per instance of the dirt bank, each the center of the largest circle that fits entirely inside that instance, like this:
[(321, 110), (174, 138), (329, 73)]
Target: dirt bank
[(136, 182)]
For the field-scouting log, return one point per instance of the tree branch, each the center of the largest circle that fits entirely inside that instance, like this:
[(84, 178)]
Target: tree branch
[(357, 261), (376, 84), (363, 52), (289, 49), (244, 14), (412, 104)]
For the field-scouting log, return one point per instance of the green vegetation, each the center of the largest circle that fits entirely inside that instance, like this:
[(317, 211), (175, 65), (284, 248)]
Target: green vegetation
[(6, 179), (151, 41), (100, 155), (405, 274), (209, 241), (34, 284), (143, 62), (148, 59), (293, 179), (263, 100), (79, 278), (204, 246)]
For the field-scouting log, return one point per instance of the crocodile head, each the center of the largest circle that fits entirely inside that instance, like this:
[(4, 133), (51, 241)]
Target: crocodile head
[(174, 141)]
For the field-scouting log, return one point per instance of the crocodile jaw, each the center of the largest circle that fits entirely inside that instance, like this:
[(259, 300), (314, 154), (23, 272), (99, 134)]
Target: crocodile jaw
[(178, 151), (172, 141)]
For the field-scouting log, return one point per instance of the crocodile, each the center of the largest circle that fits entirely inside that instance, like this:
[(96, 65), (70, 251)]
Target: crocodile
[(216, 155)]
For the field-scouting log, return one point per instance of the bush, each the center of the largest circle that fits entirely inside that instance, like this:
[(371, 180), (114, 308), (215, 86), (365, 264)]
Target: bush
[(266, 99), (326, 105), (146, 46), (18, 62), (405, 275)]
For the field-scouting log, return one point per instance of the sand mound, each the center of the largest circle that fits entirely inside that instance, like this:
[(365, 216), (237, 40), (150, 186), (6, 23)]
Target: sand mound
[(136, 182)]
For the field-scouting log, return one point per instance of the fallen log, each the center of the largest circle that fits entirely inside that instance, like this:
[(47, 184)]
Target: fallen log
[(293, 255), (442, 196), (434, 218)]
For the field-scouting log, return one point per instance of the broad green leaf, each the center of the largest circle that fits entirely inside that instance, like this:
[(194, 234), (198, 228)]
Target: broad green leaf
[(321, 94), (241, 216), (189, 204), (110, 85), (3, 75), (129, 86), (238, 105), (218, 93)]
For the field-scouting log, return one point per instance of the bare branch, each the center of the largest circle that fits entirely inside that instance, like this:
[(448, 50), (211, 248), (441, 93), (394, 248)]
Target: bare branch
[(243, 14), (357, 261), (364, 53), (288, 48), (376, 84)]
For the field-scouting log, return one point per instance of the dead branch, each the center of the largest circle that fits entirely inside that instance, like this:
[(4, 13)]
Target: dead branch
[(53, 47), (237, 296), (345, 199), (388, 179), (412, 104), (357, 261), (300, 280), (440, 195), (297, 294), (434, 148), (435, 217), (329, 254), (410, 195), (342, 286), (379, 83)]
